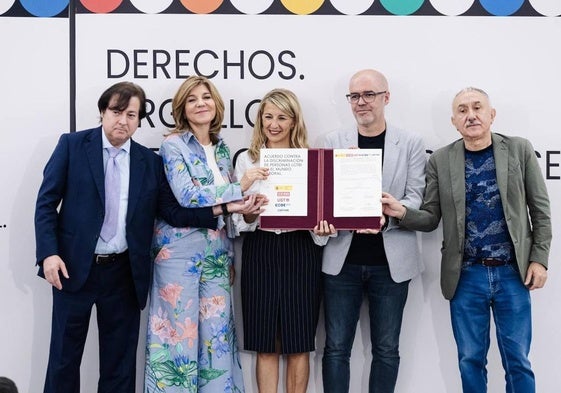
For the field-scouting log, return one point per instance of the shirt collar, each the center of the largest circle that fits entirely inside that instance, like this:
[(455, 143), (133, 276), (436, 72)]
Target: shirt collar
[(187, 136), (106, 144)]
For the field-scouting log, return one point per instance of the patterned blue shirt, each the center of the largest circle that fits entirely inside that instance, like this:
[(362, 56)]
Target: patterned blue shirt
[(486, 231)]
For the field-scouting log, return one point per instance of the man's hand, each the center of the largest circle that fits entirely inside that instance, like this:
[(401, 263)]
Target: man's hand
[(391, 206), (536, 276), (370, 231), (51, 267)]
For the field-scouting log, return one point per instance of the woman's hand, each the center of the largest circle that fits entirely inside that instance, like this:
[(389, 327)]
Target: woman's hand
[(324, 229), (250, 205), (251, 175)]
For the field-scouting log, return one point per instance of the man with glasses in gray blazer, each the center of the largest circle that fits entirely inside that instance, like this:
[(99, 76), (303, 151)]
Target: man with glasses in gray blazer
[(380, 264)]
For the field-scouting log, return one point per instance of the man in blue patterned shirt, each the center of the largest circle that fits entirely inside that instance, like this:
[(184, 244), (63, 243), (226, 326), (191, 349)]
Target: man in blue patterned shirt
[(489, 191)]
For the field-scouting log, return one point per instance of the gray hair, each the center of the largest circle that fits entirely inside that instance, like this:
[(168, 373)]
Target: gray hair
[(471, 88)]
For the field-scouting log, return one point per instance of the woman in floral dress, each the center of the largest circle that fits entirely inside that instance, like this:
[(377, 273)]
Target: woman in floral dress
[(191, 343)]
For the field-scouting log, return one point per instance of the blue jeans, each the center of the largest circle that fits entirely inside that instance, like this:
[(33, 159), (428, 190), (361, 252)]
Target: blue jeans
[(500, 290), (343, 295)]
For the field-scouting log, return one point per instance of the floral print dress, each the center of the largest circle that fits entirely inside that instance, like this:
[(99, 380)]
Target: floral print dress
[(191, 343)]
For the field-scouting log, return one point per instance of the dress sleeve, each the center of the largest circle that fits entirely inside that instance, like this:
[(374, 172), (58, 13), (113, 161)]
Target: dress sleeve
[(191, 179), (242, 165)]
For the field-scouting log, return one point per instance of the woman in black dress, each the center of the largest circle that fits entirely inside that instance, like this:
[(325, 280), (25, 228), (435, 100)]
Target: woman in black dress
[(281, 270)]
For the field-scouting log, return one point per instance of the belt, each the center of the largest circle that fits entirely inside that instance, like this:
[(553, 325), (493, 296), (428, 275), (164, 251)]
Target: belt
[(104, 259), (493, 262)]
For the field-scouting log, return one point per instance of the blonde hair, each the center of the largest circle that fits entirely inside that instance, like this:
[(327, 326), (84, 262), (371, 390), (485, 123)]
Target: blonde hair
[(180, 98), (287, 102)]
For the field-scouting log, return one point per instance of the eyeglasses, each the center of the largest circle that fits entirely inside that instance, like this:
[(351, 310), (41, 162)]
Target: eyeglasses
[(367, 96)]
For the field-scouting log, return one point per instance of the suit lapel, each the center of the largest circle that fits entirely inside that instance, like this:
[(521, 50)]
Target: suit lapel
[(94, 154), (391, 157), (137, 169), (351, 139), (457, 161), (500, 151)]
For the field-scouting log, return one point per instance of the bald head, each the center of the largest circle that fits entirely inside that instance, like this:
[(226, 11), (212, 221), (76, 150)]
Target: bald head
[(371, 95), (377, 78)]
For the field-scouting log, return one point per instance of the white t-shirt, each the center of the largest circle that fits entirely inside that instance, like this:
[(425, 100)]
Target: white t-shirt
[(211, 160)]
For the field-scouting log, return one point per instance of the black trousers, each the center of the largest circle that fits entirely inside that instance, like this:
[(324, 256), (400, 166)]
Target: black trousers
[(111, 289)]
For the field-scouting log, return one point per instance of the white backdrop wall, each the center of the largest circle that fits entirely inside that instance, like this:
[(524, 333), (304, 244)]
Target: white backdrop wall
[(427, 59)]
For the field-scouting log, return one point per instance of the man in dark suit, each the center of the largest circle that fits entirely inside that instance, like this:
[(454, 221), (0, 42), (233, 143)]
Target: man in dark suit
[(489, 191), (84, 260)]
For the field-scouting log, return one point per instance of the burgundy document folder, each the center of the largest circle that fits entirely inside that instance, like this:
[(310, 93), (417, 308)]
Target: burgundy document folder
[(320, 200)]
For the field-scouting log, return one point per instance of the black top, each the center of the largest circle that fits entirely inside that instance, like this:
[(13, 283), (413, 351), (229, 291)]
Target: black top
[(368, 249)]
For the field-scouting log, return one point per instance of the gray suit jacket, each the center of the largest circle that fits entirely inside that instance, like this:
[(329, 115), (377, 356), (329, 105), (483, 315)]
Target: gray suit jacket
[(403, 176), (523, 196)]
